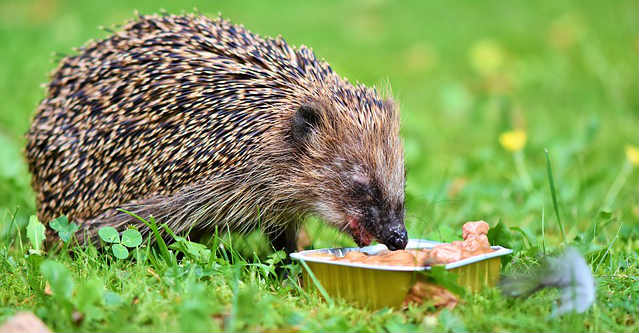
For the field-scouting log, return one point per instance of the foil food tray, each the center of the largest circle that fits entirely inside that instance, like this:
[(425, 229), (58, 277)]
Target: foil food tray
[(378, 286)]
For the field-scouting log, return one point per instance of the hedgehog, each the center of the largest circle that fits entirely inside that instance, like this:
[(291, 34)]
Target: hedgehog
[(203, 124)]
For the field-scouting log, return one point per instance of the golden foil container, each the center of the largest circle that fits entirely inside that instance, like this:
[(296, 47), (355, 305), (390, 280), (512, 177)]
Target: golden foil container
[(375, 286)]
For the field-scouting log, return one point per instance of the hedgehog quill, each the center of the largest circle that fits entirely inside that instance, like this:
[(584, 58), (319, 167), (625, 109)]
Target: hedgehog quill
[(201, 123)]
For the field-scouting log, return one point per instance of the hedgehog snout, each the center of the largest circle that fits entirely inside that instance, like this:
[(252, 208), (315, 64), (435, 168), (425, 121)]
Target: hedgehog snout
[(395, 236), (381, 216), (392, 232), (387, 225)]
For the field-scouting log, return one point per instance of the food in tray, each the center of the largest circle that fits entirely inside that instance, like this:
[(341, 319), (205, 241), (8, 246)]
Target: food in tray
[(475, 242)]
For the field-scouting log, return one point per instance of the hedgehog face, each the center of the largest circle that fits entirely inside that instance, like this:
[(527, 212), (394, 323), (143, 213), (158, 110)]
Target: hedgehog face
[(361, 205), (353, 169), (373, 214)]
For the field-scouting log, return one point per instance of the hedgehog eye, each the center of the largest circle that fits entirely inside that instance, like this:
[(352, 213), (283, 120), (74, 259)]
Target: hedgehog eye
[(363, 191), (305, 119)]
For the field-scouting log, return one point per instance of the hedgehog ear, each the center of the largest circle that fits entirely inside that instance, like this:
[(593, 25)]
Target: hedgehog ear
[(306, 118)]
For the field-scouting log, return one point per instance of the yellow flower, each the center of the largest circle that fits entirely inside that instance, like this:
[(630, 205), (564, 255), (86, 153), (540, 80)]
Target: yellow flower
[(513, 140), (632, 154), (486, 57)]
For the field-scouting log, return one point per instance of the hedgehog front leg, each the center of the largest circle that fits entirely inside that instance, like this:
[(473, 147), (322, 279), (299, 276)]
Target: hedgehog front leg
[(286, 239)]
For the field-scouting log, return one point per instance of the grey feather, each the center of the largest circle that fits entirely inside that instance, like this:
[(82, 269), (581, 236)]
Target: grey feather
[(569, 273)]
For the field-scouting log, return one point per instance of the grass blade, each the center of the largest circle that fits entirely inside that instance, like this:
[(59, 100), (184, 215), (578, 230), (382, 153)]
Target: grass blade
[(543, 232), (554, 195), (170, 260), (317, 284), (229, 325)]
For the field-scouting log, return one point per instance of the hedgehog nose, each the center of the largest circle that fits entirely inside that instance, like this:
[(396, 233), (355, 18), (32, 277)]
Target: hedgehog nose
[(398, 238)]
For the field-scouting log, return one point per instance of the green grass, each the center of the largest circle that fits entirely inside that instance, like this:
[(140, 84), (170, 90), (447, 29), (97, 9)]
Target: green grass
[(564, 71)]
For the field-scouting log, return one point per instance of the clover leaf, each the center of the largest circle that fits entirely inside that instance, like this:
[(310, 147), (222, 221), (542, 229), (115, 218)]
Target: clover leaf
[(109, 234), (119, 251), (64, 228), (130, 238)]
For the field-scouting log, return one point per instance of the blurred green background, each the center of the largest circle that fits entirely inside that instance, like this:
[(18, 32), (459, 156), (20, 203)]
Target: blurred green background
[(463, 73)]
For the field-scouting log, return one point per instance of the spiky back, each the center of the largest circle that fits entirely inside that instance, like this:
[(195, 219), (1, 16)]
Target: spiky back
[(164, 105)]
